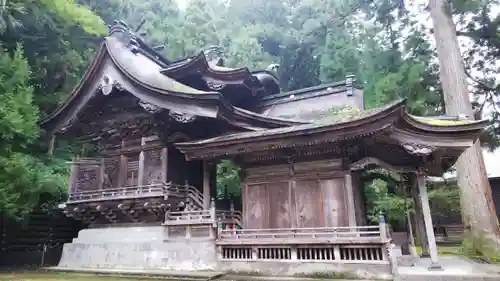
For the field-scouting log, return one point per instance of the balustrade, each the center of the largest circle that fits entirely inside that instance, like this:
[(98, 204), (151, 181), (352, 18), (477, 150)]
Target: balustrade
[(336, 244)]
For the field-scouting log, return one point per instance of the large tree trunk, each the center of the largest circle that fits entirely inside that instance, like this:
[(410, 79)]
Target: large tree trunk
[(478, 210)]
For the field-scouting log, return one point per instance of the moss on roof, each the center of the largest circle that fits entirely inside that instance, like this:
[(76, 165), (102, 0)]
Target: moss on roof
[(442, 122), (221, 68), (336, 115)]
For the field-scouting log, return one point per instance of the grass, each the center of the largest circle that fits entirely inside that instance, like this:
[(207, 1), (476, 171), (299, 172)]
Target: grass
[(446, 251), (60, 276)]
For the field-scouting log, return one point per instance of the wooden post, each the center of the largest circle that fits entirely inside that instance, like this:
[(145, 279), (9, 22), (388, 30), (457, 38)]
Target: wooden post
[(419, 220), (122, 170), (101, 174), (336, 253), (213, 216), (383, 228), (351, 207), (164, 164), (206, 185), (426, 210), (142, 160), (52, 142), (293, 253), (412, 248), (72, 176)]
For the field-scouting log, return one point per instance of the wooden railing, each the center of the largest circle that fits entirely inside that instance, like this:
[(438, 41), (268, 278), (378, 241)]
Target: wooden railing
[(188, 224), (189, 217), (118, 193), (356, 234), (229, 219), (362, 244), (186, 191), (159, 189)]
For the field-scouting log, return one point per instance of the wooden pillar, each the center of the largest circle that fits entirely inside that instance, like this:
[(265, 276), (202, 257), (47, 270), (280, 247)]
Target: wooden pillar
[(351, 206), (359, 198), (426, 211), (164, 164), (72, 176), (206, 185), (140, 176), (411, 247), (101, 174), (122, 169), (52, 142), (419, 220)]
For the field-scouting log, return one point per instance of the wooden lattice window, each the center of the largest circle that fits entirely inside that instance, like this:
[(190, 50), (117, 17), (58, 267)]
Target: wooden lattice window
[(132, 168)]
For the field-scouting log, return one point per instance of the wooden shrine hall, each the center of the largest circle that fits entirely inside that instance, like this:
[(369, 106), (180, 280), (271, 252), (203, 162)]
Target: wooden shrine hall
[(161, 126)]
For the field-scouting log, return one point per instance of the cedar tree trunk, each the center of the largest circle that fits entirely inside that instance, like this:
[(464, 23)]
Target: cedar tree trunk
[(478, 210)]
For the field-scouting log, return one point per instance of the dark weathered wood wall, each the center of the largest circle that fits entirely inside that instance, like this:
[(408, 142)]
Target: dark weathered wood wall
[(311, 194)]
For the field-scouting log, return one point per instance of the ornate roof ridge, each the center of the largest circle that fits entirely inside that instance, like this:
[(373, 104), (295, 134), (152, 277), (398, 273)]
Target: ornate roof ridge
[(135, 41)]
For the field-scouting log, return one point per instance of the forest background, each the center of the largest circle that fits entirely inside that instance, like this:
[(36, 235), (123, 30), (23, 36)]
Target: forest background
[(387, 45)]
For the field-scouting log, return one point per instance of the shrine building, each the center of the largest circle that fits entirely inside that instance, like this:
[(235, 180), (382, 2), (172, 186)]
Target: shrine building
[(161, 126)]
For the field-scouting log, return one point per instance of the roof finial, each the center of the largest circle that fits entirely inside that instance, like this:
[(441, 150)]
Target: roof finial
[(349, 81), (140, 26)]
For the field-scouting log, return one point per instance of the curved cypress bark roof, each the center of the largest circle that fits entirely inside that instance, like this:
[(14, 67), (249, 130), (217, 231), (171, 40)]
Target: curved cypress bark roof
[(123, 61), (251, 83), (435, 138)]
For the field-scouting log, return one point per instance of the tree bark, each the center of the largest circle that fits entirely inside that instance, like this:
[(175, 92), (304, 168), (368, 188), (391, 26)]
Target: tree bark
[(478, 210)]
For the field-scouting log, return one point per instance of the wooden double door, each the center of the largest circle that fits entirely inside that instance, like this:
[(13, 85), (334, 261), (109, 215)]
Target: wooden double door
[(295, 202)]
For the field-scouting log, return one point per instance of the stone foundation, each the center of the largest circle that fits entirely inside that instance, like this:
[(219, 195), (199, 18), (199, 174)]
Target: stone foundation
[(310, 269), (146, 248), (137, 248)]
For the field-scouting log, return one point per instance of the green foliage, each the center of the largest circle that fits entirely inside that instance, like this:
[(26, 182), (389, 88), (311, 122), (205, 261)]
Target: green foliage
[(228, 179), (379, 199), (18, 127), (23, 178), (72, 12), (445, 199), (481, 246)]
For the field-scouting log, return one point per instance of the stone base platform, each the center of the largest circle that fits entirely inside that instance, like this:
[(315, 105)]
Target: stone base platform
[(149, 249), (137, 247), (308, 269)]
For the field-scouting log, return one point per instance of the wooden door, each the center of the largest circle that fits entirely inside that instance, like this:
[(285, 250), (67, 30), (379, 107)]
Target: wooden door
[(279, 199), (333, 202), (257, 209), (309, 204)]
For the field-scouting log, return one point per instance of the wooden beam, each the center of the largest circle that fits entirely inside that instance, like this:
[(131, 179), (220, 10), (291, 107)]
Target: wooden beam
[(101, 173), (164, 164), (140, 176), (72, 176), (426, 210), (351, 207), (52, 142), (206, 185), (122, 170)]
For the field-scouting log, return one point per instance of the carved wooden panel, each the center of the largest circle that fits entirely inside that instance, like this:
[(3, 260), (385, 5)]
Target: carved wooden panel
[(132, 170), (309, 204), (111, 169), (152, 166), (279, 198), (335, 212), (86, 178), (256, 207)]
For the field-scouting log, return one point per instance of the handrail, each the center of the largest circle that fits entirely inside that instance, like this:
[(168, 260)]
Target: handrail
[(230, 217), (185, 191), (356, 232), (189, 217), (156, 189)]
